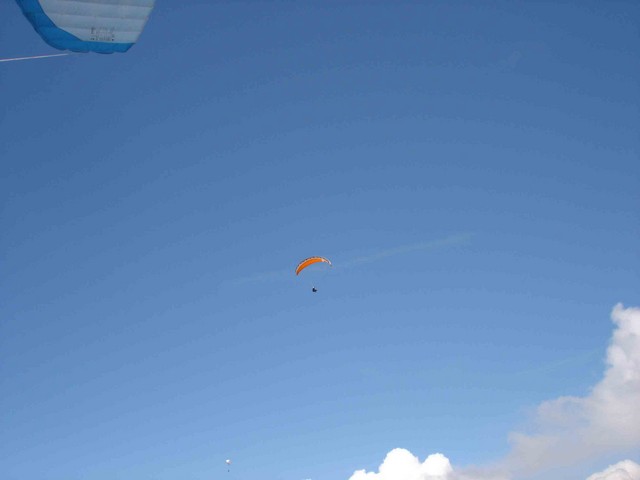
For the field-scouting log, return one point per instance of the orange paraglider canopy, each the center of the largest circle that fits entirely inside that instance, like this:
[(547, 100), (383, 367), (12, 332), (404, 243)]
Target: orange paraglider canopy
[(310, 261)]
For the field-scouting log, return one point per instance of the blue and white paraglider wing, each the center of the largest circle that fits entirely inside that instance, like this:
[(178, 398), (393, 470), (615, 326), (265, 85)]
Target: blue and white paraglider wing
[(103, 26)]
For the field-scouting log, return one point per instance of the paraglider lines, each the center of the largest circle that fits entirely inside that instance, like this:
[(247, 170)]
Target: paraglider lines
[(17, 59)]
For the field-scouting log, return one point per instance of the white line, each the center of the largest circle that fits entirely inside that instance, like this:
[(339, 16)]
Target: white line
[(32, 58), (452, 240), (391, 252)]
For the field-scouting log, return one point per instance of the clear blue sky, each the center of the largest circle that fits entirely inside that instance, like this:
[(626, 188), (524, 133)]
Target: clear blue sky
[(155, 204)]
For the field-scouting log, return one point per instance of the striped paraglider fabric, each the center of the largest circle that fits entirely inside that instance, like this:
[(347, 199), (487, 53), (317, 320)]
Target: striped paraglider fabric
[(310, 261), (103, 26)]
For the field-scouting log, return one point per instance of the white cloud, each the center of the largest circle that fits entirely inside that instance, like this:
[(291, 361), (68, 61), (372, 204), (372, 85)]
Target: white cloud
[(626, 470), (569, 430), (400, 464), (572, 429)]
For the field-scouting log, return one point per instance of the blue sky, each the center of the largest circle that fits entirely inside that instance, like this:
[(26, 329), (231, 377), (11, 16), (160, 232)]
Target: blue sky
[(482, 155)]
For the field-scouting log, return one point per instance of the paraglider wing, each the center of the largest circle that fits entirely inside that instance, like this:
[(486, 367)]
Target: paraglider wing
[(103, 26), (310, 261)]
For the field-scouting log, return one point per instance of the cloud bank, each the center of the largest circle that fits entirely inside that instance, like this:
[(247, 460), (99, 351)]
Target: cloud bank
[(626, 470), (568, 430), (572, 429)]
